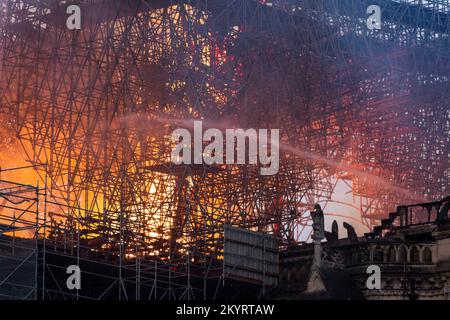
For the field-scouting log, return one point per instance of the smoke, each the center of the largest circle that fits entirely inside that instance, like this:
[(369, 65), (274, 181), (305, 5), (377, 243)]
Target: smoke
[(314, 157), (306, 155)]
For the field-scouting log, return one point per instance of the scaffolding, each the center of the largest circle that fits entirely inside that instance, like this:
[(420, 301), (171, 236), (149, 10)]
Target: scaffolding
[(94, 109), (19, 233), (38, 244)]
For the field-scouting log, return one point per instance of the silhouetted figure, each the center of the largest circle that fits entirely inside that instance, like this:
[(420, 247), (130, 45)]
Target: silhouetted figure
[(335, 229), (318, 222), (318, 234), (333, 236), (351, 234)]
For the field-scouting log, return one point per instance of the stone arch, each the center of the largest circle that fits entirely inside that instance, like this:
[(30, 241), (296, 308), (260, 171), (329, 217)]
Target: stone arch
[(427, 254), (415, 254), (392, 254), (434, 211), (402, 254)]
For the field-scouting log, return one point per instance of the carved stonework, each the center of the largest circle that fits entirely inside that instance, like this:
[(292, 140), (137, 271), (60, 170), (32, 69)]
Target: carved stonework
[(333, 258)]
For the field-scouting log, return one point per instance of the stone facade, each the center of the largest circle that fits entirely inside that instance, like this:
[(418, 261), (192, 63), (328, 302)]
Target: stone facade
[(412, 253)]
